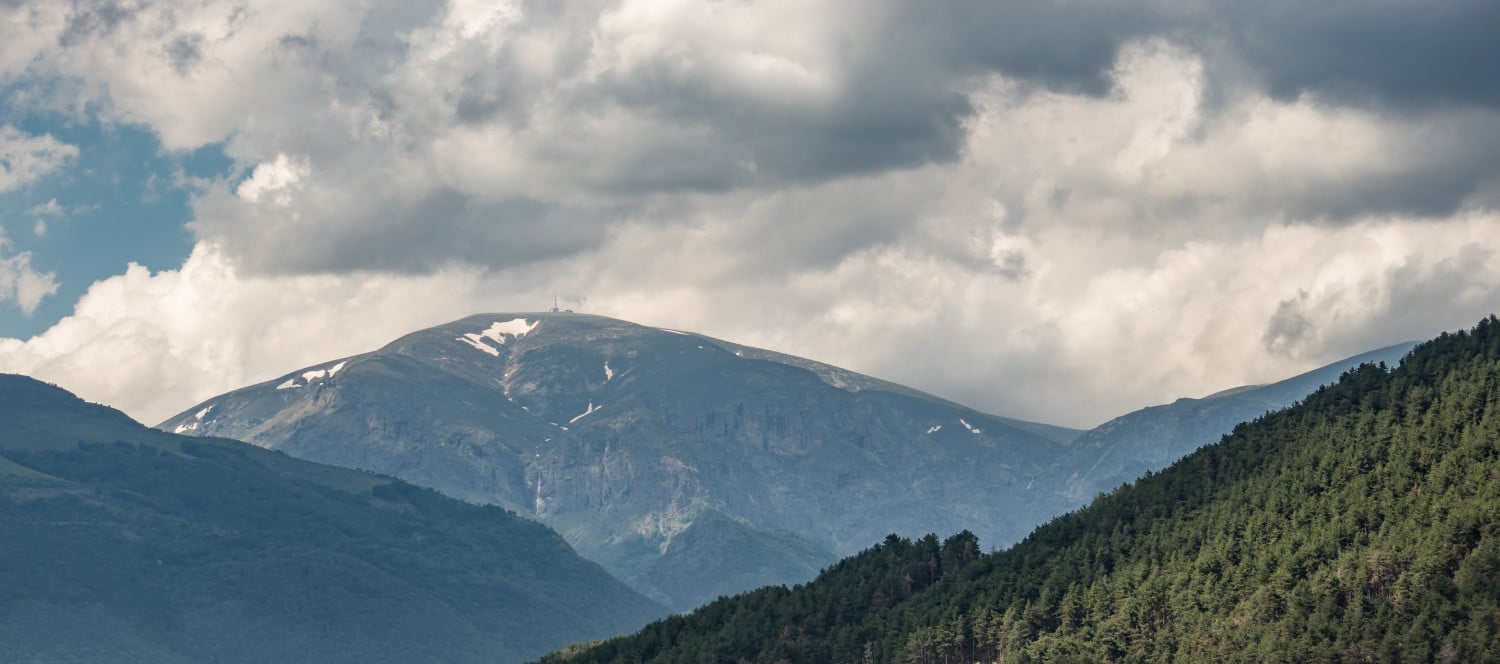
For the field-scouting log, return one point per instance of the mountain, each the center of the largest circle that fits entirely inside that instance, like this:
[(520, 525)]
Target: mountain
[(1149, 439), (1362, 525), (689, 466), (126, 544)]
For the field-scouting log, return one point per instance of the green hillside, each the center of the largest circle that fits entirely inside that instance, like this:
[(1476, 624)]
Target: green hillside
[(120, 543), (1362, 525)]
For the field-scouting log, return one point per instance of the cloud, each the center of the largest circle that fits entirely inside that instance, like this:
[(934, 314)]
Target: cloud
[(21, 284), (25, 158), (1054, 210), (149, 343), (496, 134), (1073, 341), (48, 209), (1289, 327), (1402, 53)]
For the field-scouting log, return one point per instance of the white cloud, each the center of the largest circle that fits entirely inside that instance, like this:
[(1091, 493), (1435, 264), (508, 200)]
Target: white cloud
[(273, 180), (49, 209), (1075, 342), (152, 343), (19, 282), (25, 158)]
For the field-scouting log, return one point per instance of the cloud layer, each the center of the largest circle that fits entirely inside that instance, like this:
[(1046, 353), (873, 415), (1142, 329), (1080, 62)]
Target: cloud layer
[(1047, 210)]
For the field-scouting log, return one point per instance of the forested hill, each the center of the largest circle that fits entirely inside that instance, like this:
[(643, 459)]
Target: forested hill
[(1361, 525)]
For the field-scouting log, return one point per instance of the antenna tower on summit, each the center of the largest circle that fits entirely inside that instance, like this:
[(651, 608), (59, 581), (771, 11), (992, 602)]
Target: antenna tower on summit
[(554, 304)]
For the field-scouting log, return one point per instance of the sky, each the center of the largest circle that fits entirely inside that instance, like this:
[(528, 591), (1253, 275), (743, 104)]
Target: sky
[(1048, 209)]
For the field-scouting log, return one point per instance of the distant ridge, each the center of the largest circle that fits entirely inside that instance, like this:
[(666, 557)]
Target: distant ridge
[(127, 544), (1125, 447)]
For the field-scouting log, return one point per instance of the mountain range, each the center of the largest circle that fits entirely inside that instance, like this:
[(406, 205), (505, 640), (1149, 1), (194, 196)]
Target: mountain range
[(689, 466), (694, 467), (1361, 525), (127, 544)]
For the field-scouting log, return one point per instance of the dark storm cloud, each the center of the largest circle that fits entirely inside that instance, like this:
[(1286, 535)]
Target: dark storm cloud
[(901, 100), (902, 103), (1060, 45), (1398, 53), (1402, 54)]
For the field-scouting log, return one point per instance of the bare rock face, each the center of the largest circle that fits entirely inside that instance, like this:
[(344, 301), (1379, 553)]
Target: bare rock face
[(689, 466)]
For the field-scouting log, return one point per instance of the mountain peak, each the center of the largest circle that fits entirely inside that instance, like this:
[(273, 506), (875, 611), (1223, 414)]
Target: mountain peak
[(624, 436)]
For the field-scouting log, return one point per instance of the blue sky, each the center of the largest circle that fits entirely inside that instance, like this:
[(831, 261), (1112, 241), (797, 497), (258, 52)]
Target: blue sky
[(122, 200)]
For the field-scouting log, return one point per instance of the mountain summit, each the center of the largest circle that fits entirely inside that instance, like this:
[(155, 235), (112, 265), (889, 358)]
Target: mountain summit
[(690, 466)]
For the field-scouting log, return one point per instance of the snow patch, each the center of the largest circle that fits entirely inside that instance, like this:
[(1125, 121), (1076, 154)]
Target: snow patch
[(189, 426), (609, 374), (935, 428), (319, 374), (516, 327), (970, 427), (203, 412), (663, 329), (498, 332), (478, 342), (584, 414), (289, 384)]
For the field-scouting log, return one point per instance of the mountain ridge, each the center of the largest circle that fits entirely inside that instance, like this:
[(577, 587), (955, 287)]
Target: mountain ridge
[(161, 547), (1150, 438), (619, 435)]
